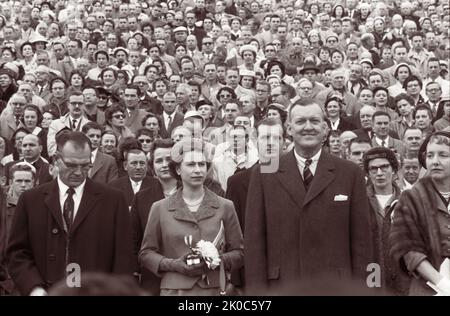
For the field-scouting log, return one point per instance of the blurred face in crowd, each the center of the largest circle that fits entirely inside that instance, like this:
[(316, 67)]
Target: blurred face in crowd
[(30, 119), (380, 98), (21, 181), (375, 81), (356, 152), (423, 119), (433, 91), (404, 108), (108, 143), (232, 78), (95, 136), (76, 106), (31, 149), (411, 170), (231, 112), (180, 133), (413, 139), (18, 103), (136, 165), (161, 160), (381, 126), (366, 97)]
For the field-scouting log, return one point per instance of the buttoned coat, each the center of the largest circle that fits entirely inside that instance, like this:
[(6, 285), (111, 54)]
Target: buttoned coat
[(295, 240), (99, 239), (170, 221)]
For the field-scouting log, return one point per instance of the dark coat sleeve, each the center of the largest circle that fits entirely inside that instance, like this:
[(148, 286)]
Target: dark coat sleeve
[(361, 230), (234, 194), (255, 259), (21, 263)]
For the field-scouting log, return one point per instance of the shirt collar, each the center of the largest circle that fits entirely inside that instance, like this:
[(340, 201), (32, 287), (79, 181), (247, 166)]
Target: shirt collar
[(94, 155), (301, 160), (379, 141), (63, 188)]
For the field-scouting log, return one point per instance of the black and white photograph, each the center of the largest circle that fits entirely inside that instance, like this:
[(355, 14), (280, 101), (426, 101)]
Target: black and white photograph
[(228, 153)]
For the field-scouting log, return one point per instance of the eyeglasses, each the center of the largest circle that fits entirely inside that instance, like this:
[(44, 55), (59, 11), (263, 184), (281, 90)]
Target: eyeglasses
[(119, 116), (147, 141), (74, 166), (76, 103), (225, 95), (207, 43), (102, 97), (383, 168)]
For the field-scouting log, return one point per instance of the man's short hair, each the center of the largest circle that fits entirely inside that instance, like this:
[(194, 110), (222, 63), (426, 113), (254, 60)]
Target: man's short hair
[(380, 113), (358, 140), (78, 139), (423, 108), (22, 166), (91, 125)]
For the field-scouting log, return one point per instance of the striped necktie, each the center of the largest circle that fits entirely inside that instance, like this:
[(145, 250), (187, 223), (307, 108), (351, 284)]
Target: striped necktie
[(307, 174)]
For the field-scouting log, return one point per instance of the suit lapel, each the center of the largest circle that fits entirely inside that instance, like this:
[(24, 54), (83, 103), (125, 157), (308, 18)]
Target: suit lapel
[(290, 178), (323, 177), (52, 201), (97, 164), (89, 199)]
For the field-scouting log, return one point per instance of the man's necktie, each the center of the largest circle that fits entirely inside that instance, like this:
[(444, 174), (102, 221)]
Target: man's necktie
[(383, 143), (17, 121), (169, 122), (41, 88), (74, 125), (69, 206), (307, 174)]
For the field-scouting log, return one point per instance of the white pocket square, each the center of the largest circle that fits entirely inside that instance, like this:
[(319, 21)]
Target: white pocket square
[(340, 197)]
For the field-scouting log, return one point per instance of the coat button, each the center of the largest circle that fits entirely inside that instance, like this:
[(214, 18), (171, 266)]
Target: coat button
[(55, 231), (51, 257)]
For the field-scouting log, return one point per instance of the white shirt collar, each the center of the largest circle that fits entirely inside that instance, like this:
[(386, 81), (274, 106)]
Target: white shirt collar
[(335, 125), (379, 141), (94, 155), (63, 188), (301, 162)]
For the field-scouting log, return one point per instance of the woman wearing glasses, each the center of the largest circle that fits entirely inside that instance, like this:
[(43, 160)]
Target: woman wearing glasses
[(191, 214), (115, 121), (381, 166), (420, 231)]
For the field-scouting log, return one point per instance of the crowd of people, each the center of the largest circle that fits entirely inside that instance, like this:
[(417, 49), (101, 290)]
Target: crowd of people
[(302, 141)]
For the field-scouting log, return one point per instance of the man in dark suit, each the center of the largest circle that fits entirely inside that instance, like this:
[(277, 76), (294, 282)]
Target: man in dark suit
[(133, 113), (192, 29), (31, 150), (69, 222), (307, 225), (170, 117), (104, 167), (136, 180), (270, 146), (140, 210)]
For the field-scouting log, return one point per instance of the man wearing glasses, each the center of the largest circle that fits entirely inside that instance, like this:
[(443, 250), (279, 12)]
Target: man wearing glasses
[(74, 120), (10, 122), (69, 226)]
